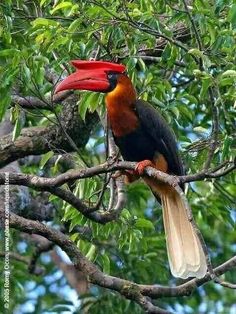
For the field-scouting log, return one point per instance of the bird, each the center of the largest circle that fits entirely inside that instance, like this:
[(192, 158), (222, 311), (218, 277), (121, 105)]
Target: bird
[(143, 136)]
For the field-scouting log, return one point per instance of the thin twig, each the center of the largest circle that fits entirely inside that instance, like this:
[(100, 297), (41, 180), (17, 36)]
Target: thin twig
[(39, 250), (38, 271), (215, 129), (193, 25)]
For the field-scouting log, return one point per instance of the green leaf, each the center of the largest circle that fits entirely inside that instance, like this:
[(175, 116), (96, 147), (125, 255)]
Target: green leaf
[(93, 101), (206, 83), (106, 263), (144, 223), (91, 253), (196, 52), (52, 198), (62, 5), (226, 147), (88, 101), (74, 25), (131, 239), (229, 73), (192, 99), (17, 129), (74, 237), (7, 78), (175, 111), (5, 101), (9, 52), (227, 81), (60, 41), (232, 15), (142, 65), (166, 52), (200, 129), (42, 2), (45, 159), (60, 308), (206, 61), (40, 21), (83, 105)]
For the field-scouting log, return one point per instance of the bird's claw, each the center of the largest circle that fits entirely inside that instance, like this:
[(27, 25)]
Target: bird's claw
[(117, 174), (140, 167), (120, 173)]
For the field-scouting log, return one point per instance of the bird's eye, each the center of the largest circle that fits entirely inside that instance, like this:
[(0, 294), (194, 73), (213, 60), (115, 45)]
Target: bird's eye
[(112, 78), (110, 75)]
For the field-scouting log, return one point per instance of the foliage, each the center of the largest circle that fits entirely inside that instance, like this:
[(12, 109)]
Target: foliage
[(180, 60)]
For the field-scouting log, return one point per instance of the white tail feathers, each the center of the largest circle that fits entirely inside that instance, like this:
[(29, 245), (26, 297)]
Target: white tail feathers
[(185, 252)]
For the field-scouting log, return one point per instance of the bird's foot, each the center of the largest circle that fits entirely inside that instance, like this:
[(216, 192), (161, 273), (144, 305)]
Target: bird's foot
[(120, 173), (142, 165), (130, 175), (117, 174)]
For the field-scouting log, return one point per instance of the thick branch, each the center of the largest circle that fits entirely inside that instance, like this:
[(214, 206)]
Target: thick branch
[(32, 102), (53, 185), (29, 102), (46, 182), (188, 287)]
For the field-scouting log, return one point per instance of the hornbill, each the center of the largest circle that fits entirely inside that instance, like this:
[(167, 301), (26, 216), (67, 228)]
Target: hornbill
[(142, 135)]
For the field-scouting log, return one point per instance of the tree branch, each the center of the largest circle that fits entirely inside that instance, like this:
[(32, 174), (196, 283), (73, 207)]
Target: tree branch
[(41, 248), (186, 288), (215, 128), (53, 185), (29, 102), (198, 39), (109, 166)]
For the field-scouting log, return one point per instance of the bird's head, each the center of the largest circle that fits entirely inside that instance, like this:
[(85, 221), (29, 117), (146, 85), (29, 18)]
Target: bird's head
[(98, 76)]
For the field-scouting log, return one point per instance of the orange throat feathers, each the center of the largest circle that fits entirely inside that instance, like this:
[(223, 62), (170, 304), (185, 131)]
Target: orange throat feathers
[(120, 103)]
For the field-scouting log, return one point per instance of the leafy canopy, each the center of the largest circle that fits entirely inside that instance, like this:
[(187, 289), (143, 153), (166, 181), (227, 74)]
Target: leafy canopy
[(183, 62)]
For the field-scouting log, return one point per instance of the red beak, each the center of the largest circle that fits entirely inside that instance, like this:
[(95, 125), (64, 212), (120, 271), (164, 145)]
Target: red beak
[(90, 75)]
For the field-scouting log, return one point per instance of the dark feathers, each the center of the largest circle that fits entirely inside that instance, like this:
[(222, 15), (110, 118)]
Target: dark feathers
[(157, 129)]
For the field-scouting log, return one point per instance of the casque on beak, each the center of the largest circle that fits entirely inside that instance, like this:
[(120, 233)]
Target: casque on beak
[(89, 75)]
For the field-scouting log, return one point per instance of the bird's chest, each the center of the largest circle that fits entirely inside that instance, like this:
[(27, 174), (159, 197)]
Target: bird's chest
[(130, 136), (136, 145), (122, 122)]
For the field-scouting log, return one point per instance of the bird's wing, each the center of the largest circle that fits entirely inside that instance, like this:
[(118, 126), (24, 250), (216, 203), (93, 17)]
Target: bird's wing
[(156, 127)]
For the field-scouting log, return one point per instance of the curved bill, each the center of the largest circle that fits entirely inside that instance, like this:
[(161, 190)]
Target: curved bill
[(89, 75)]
